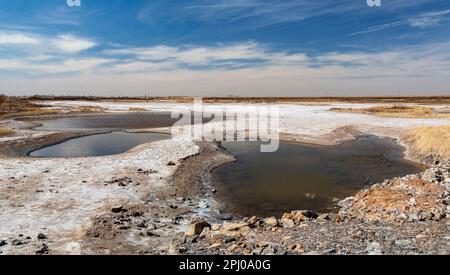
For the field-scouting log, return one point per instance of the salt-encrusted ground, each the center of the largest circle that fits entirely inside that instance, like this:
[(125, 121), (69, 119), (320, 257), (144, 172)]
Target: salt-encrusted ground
[(302, 122), (60, 198)]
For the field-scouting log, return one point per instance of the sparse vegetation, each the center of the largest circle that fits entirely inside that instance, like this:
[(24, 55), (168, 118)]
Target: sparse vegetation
[(425, 141), (137, 109), (21, 107), (6, 132), (395, 111)]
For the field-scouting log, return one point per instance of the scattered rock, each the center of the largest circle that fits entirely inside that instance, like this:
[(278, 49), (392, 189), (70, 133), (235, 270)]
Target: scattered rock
[(271, 221), (41, 236), (43, 250), (118, 209), (171, 163), (196, 227), (150, 233), (299, 216), (3, 243), (17, 242), (287, 223)]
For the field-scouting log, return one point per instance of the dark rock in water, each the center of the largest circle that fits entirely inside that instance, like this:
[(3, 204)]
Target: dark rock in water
[(41, 236), (3, 243)]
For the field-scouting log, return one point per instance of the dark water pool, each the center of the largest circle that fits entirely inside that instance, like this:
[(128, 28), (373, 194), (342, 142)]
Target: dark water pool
[(109, 121), (98, 145), (300, 176)]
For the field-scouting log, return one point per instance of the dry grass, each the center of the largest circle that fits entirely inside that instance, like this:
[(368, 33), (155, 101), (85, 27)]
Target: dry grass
[(137, 109), (89, 109), (6, 132), (425, 141), (395, 111)]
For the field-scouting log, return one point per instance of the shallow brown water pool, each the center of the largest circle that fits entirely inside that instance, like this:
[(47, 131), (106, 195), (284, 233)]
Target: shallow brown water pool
[(301, 176)]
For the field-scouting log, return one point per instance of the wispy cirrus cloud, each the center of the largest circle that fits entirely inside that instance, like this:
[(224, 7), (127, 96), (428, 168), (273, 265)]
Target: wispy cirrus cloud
[(262, 13), (422, 20)]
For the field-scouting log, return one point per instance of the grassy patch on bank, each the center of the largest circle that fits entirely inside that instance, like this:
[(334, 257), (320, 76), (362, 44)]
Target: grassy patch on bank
[(425, 141), (6, 132), (137, 109), (395, 111), (21, 107)]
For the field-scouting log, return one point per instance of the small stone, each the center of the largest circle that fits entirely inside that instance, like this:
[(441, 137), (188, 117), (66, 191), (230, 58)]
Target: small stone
[(43, 250), (118, 209), (272, 221), (329, 251), (225, 217), (215, 227), (196, 227), (3, 243), (171, 163), (287, 223), (223, 239), (151, 234), (16, 242), (41, 236), (300, 216), (323, 217)]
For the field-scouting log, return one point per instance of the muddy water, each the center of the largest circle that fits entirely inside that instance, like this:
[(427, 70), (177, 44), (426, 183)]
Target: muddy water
[(300, 176), (98, 145)]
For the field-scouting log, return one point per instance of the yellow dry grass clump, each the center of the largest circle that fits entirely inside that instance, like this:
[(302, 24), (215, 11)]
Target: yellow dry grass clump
[(5, 132), (137, 109), (395, 111), (425, 141)]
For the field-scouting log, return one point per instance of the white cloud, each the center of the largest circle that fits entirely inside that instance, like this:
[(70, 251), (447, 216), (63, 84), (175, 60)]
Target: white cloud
[(56, 67), (429, 19), (17, 39), (71, 44), (195, 55), (423, 20), (241, 68)]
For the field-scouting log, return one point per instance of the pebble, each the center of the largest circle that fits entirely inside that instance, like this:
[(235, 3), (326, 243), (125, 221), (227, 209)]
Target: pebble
[(196, 227), (118, 209)]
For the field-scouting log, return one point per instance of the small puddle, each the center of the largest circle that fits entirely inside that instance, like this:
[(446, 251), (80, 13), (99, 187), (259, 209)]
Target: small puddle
[(98, 145), (301, 176)]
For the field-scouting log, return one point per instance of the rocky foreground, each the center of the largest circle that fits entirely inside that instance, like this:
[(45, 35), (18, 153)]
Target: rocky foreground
[(409, 215)]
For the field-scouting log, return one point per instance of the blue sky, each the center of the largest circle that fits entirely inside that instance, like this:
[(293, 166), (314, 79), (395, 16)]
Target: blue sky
[(222, 47)]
